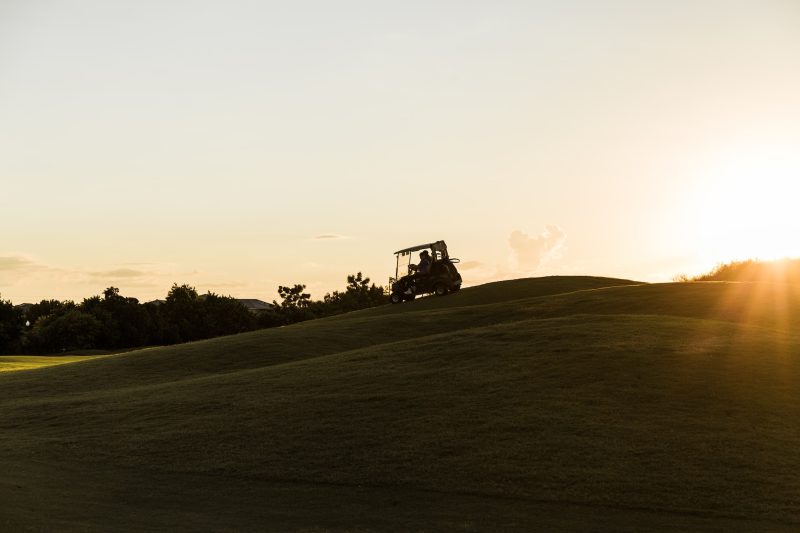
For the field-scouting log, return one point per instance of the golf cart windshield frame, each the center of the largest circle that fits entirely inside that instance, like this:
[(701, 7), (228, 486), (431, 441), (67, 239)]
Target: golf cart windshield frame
[(438, 249)]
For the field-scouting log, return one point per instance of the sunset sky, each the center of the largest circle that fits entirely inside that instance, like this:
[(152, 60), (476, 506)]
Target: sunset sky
[(242, 145)]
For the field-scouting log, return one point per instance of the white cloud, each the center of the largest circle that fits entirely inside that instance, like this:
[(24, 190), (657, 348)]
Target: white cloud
[(529, 253)]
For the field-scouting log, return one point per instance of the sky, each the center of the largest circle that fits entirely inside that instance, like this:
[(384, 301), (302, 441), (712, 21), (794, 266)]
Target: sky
[(241, 145)]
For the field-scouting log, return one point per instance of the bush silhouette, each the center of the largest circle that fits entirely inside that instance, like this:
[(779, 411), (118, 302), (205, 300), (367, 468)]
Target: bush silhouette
[(781, 271)]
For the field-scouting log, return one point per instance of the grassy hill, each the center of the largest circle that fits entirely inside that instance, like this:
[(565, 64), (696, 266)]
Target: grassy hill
[(552, 403)]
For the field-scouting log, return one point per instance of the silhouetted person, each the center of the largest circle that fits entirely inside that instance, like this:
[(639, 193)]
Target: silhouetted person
[(424, 267), (422, 270)]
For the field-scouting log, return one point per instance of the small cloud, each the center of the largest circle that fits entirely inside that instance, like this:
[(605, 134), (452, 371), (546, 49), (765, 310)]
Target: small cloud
[(470, 265), (142, 284), (133, 264), (120, 273), (16, 268), (329, 237), (14, 263), (531, 252), (236, 284), (225, 285), (11, 263)]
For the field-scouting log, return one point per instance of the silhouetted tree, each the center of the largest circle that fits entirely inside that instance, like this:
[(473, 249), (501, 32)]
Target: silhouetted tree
[(183, 314), (269, 318), (61, 332), (224, 315), (295, 304), (11, 324), (359, 294), (45, 308), (125, 323)]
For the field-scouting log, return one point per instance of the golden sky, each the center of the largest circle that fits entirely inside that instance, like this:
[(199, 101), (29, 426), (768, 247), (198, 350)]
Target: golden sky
[(240, 145)]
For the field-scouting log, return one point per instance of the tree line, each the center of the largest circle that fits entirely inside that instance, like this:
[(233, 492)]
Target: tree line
[(112, 321)]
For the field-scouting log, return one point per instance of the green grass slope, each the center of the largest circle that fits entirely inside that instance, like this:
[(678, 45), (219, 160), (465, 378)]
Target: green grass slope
[(560, 403)]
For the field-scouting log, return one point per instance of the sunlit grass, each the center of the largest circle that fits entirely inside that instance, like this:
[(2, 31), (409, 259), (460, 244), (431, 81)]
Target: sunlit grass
[(11, 363)]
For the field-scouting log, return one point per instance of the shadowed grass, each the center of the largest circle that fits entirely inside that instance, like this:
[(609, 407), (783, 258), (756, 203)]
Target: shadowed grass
[(667, 406)]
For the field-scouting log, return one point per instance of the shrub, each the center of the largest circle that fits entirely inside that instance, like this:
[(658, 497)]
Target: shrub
[(781, 271)]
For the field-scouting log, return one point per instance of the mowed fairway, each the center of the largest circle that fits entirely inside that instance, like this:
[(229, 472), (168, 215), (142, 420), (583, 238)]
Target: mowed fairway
[(540, 404)]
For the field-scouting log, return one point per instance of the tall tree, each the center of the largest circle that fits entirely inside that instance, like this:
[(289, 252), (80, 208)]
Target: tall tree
[(295, 304), (183, 313), (70, 330), (11, 325)]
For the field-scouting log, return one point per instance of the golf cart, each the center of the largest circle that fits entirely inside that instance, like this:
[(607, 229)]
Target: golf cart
[(442, 278)]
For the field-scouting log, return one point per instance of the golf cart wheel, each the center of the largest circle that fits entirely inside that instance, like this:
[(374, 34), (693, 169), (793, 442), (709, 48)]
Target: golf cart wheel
[(396, 298), (440, 289)]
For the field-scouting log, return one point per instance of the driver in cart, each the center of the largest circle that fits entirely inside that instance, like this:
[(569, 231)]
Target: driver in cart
[(424, 266), (420, 270)]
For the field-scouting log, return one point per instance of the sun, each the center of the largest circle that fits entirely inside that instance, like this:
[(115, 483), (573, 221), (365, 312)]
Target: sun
[(747, 207)]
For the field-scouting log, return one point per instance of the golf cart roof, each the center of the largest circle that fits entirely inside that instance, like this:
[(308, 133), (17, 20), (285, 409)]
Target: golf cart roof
[(435, 246)]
